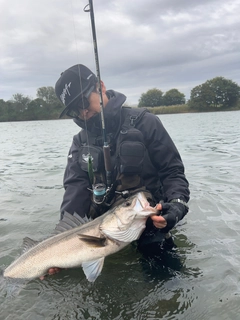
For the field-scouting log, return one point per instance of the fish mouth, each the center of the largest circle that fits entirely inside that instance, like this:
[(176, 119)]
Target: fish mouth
[(142, 206)]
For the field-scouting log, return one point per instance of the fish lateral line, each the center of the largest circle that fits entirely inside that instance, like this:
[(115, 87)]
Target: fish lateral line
[(94, 241)]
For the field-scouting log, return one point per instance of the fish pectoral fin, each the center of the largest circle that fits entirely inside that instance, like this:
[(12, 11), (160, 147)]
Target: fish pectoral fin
[(28, 243), (92, 269), (93, 241)]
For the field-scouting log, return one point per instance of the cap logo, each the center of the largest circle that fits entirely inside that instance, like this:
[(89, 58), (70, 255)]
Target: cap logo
[(89, 76), (65, 92)]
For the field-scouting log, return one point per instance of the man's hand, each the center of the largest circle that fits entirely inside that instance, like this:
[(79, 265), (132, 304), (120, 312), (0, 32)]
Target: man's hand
[(51, 271), (159, 221), (171, 213)]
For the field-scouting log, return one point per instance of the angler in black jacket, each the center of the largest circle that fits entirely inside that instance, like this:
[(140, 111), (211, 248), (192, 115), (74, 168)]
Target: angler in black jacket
[(145, 157)]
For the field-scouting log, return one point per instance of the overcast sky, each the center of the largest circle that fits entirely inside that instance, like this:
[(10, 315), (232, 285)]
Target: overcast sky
[(142, 44)]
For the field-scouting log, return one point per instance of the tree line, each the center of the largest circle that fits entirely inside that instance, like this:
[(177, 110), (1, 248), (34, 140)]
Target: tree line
[(21, 108), (155, 98), (215, 94)]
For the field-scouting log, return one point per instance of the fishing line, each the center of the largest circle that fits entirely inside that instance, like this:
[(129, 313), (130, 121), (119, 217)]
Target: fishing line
[(79, 73), (99, 190), (106, 148), (89, 8), (90, 163)]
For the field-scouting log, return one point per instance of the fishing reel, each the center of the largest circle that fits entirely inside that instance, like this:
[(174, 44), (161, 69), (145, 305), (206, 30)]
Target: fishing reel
[(102, 194), (99, 193)]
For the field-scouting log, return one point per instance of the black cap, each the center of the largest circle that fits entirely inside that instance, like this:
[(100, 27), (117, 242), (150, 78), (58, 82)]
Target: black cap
[(72, 83)]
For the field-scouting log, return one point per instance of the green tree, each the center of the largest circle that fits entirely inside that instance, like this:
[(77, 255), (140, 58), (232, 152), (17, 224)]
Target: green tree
[(152, 98), (20, 107), (201, 97), (3, 110), (17, 106), (20, 101), (217, 92), (36, 110), (11, 111), (226, 92), (48, 95), (173, 97)]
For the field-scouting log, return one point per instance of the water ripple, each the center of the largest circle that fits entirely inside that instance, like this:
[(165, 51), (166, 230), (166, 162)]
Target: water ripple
[(197, 280)]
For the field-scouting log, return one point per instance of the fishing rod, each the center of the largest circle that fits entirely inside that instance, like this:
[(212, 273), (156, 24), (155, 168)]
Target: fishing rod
[(106, 148)]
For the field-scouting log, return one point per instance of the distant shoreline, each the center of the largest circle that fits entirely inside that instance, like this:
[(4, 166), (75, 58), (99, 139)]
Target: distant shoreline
[(186, 109), (155, 110)]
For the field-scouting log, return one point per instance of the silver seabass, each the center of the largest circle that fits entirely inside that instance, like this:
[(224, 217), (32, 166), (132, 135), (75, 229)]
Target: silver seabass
[(77, 243)]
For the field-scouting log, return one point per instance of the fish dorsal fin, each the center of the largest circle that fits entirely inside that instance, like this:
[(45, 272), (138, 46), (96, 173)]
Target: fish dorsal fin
[(92, 269), (69, 221), (131, 234), (28, 243)]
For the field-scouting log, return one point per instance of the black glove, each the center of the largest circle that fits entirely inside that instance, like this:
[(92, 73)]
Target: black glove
[(172, 213)]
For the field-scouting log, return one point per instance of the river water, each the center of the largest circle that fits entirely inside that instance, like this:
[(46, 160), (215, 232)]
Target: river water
[(197, 280)]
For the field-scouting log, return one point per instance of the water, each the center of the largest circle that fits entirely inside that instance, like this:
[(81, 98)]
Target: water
[(197, 280)]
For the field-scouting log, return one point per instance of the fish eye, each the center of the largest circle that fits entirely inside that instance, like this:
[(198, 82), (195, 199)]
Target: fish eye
[(127, 203)]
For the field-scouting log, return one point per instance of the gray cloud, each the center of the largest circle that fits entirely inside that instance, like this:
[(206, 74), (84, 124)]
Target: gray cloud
[(142, 44)]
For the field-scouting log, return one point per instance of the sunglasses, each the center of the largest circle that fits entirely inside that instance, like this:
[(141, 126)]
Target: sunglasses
[(82, 103)]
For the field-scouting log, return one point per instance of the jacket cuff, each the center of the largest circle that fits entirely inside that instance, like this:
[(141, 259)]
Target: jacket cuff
[(180, 201)]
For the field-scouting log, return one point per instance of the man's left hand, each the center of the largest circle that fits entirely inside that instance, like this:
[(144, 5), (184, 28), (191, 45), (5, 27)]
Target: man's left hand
[(171, 213), (159, 221)]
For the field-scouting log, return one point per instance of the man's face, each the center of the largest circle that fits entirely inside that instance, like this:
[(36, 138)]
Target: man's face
[(94, 104), (93, 109)]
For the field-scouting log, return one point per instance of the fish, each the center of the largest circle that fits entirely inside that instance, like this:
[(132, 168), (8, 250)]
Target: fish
[(76, 241)]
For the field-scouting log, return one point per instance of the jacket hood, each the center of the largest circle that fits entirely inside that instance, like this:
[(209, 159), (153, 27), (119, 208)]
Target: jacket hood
[(112, 115)]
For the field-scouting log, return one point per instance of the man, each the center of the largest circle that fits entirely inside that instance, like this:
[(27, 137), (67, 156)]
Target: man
[(143, 156)]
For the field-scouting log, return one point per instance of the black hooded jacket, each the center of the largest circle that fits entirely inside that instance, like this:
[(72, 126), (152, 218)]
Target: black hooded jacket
[(163, 167)]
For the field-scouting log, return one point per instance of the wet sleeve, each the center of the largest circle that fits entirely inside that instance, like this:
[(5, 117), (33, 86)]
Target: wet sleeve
[(77, 197), (165, 158)]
